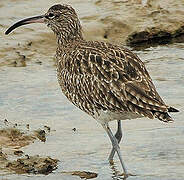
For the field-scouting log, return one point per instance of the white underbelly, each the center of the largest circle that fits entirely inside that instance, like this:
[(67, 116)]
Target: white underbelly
[(106, 116)]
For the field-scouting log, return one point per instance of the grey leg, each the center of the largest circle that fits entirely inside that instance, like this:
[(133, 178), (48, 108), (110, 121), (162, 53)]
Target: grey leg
[(118, 136), (115, 145)]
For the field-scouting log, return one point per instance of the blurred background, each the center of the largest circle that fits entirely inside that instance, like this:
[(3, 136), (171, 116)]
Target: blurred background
[(32, 105)]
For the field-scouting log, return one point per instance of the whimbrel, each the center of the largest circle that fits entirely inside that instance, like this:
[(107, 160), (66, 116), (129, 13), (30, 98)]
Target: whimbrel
[(106, 81)]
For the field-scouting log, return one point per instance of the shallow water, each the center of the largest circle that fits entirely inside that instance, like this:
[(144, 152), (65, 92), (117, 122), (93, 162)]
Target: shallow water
[(31, 95)]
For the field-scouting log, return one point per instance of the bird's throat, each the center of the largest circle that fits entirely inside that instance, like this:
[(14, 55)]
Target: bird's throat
[(64, 39)]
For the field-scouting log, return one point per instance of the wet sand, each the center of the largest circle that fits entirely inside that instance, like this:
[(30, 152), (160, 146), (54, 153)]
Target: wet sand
[(29, 94)]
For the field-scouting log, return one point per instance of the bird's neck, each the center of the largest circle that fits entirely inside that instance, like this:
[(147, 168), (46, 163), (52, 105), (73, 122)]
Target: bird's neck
[(67, 42), (69, 33), (64, 39)]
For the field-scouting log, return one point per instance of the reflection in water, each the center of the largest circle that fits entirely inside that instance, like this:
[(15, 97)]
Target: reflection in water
[(115, 173)]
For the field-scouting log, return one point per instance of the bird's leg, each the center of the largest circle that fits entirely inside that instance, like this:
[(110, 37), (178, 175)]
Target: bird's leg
[(118, 136), (115, 146)]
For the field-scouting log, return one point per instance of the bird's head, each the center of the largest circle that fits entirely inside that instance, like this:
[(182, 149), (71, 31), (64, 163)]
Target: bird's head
[(62, 19)]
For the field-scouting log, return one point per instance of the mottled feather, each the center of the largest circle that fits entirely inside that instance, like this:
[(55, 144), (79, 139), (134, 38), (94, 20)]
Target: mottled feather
[(99, 76)]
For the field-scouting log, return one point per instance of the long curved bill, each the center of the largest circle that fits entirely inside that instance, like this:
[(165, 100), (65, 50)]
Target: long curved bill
[(35, 19)]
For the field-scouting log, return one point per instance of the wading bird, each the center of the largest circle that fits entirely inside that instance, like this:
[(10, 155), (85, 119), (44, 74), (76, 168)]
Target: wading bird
[(106, 81)]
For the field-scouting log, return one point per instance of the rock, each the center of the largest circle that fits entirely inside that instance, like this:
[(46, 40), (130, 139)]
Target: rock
[(82, 174), (3, 156), (132, 23), (13, 137), (3, 160), (33, 164), (40, 134), (11, 140)]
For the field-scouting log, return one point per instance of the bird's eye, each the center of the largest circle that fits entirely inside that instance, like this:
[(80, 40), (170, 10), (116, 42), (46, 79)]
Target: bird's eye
[(50, 15)]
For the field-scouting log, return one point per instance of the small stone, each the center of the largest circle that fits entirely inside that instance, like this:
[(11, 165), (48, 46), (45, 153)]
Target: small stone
[(41, 135)]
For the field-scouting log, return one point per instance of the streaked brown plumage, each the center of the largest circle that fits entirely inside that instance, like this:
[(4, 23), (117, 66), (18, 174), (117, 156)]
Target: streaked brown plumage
[(106, 81), (99, 76)]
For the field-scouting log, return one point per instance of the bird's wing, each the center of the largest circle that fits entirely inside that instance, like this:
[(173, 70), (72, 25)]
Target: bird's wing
[(116, 79)]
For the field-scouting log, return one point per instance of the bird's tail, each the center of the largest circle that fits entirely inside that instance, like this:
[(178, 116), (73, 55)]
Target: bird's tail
[(171, 109), (164, 116)]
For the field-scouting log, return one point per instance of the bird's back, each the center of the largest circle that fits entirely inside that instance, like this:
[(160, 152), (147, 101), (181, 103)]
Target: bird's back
[(101, 77)]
